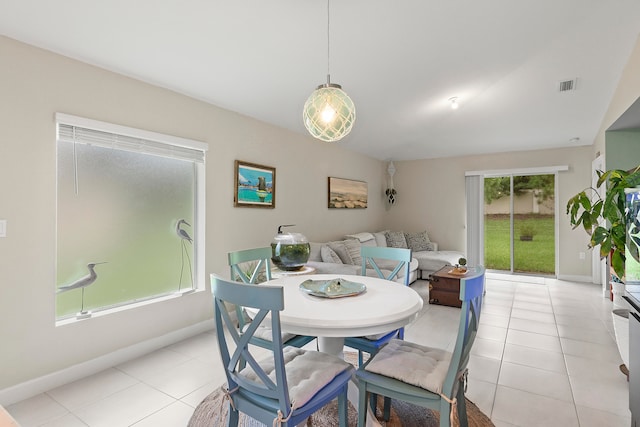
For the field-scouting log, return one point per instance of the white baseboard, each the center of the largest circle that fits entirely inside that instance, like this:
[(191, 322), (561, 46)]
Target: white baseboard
[(573, 278), (50, 381)]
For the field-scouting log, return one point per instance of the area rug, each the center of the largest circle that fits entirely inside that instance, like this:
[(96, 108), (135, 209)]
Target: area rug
[(212, 411)]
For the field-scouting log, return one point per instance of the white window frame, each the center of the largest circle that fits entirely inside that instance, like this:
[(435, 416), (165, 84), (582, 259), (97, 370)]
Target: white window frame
[(199, 209)]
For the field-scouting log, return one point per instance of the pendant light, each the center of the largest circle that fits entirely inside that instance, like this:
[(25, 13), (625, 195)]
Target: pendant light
[(329, 113)]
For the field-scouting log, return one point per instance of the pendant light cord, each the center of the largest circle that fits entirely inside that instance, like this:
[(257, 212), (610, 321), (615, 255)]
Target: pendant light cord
[(328, 43)]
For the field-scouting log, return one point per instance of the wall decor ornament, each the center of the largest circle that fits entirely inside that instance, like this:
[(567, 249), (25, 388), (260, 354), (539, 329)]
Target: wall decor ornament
[(347, 193), (254, 185), (391, 191)]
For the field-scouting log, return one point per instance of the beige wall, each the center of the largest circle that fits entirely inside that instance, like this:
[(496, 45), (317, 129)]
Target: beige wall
[(36, 84), (431, 196)]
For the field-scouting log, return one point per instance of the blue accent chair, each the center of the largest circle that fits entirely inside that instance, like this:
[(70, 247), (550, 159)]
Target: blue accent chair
[(442, 385), (287, 385), (372, 255), (251, 266)]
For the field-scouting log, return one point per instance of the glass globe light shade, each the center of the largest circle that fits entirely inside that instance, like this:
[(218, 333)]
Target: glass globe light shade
[(329, 113)]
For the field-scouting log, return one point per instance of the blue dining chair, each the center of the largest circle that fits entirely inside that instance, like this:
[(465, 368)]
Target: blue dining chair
[(375, 256), (252, 266), (441, 383), (288, 384)]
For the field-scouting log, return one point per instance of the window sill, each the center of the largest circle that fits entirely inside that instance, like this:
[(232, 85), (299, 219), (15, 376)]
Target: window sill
[(105, 312)]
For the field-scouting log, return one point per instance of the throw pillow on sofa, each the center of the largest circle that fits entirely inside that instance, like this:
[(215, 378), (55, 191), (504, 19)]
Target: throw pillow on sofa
[(396, 239), (347, 250), (381, 238), (419, 241), (354, 247), (329, 255), (365, 238)]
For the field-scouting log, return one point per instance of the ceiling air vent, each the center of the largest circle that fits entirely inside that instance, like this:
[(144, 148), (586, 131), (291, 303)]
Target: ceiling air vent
[(567, 85)]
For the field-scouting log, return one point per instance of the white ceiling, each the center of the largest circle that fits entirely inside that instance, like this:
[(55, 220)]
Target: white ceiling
[(400, 61)]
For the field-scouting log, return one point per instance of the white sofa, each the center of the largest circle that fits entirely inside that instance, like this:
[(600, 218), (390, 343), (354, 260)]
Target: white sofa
[(343, 256)]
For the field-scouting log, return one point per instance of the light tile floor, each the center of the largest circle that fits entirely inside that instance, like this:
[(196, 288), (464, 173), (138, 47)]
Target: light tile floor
[(544, 356)]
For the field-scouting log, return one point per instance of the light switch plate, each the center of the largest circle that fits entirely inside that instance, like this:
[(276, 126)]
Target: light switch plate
[(3, 228)]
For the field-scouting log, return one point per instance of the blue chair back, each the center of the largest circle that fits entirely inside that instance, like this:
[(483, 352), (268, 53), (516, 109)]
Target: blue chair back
[(260, 271), (471, 295), (239, 259), (450, 394), (257, 380), (269, 300), (402, 256)]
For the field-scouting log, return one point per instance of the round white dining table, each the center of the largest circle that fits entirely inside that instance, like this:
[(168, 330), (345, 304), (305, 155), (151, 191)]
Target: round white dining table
[(382, 307)]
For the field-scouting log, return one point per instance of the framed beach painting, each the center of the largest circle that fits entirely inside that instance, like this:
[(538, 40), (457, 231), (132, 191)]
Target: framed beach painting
[(347, 193), (254, 185)]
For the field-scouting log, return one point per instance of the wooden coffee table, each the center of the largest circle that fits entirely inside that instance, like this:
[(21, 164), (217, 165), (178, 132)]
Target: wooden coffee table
[(444, 287)]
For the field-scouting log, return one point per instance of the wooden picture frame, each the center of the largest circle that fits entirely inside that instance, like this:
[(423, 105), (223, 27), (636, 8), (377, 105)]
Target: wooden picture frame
[(254, 185), (347, 194)]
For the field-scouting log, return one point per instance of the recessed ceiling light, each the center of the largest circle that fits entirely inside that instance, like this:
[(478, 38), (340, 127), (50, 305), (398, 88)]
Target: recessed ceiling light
[(574, 140), (454, 102)]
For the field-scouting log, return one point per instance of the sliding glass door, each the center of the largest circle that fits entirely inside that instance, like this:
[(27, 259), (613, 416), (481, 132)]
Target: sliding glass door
[(519, 223)]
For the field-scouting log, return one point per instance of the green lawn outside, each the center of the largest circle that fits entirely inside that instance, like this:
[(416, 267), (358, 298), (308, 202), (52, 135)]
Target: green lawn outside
[(536, 256)]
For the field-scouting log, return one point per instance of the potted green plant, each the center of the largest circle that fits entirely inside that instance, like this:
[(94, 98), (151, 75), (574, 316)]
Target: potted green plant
[(461, 266), (604, 219)]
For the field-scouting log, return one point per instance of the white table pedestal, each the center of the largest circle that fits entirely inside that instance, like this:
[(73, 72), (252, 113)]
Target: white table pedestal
[(332, 345)]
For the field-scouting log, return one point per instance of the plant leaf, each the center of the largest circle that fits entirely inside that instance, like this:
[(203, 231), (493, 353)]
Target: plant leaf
[(599, 235), (617, 262)]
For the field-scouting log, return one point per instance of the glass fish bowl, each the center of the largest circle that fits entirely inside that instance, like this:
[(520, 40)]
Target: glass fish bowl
[(289, 251)]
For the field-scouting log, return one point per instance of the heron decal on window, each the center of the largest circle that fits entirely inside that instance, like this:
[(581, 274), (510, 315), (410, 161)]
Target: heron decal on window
[(184, 239), (82, 283)]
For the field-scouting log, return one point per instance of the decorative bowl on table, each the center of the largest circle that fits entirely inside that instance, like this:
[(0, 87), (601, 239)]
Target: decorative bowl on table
[(334, 288)]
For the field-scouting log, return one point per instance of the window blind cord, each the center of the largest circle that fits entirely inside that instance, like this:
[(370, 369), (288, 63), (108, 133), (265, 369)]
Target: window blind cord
[(75, 164)]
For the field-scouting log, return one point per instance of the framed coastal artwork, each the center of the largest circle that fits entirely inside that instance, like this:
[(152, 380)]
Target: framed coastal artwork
[(254, 185), (347, 194)]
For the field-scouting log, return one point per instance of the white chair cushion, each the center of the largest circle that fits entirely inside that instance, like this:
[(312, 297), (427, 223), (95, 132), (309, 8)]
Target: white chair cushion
[(376, 337), (264, 332), (413, 364), (307, 372)]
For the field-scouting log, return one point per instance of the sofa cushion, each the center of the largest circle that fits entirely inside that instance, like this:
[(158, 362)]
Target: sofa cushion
[(314, 251), (333, 268), (435, 260), (381, 238), (365, 239), (419, 241), (396, 239), (354, 247), (347, 250), (341, 250), (329, 255)]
